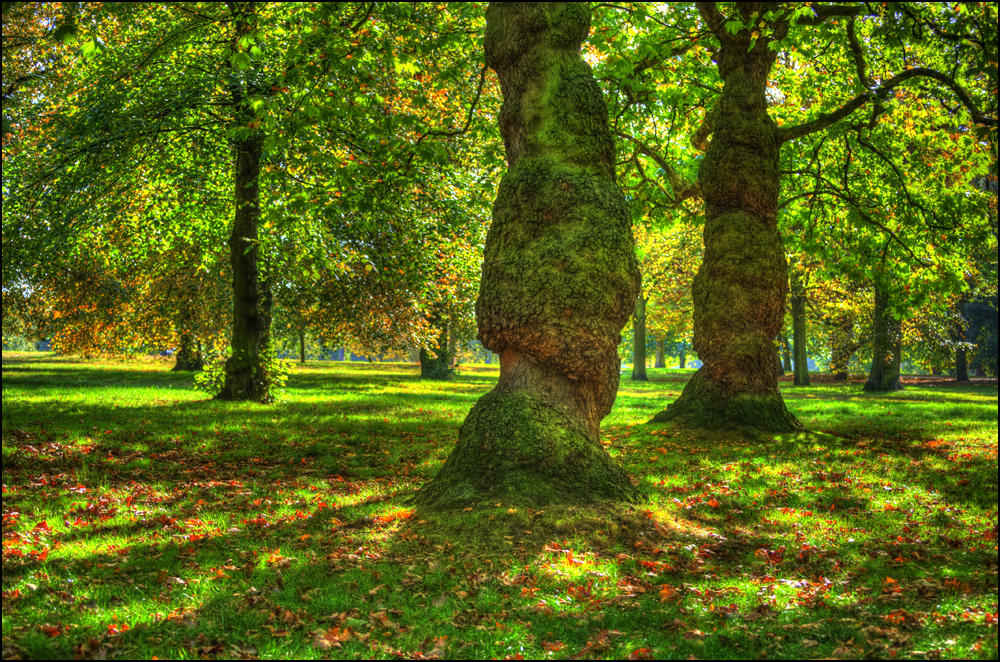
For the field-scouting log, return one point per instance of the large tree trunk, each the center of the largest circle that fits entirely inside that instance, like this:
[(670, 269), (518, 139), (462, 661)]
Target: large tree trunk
[(560, 278), (799, 339), (740, 289), (661, 361), (887, 351), (639, 341)]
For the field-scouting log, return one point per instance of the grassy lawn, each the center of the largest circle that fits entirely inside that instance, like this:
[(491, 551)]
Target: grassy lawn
[(142, 520)]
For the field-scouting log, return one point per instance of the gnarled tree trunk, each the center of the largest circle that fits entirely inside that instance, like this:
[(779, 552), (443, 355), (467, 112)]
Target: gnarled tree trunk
[(739, 292), (559, 282)]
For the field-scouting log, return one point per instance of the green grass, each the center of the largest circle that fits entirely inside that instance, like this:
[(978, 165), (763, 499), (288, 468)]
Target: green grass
[(142, 520)]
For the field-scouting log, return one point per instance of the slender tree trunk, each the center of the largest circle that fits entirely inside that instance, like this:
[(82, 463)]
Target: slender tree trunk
[(799, 336), (961, 365), (660, 358), (887, 351), (436, 364), (639, 340), (189, 357), (682, 359), (302, 346), (786, 353), (777, 358), (560, 278), (842, 347), (740, 289)]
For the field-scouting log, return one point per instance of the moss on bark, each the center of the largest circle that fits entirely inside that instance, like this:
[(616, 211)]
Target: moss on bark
[(559, 279)]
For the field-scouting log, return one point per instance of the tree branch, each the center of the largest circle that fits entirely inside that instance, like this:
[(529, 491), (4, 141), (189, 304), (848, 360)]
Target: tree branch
[(681, 190), (712, 16), (829, 119), (822, 13)]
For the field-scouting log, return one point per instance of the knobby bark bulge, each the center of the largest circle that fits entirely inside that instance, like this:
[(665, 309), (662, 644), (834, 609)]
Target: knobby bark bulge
[(559, 281), (740, 289)]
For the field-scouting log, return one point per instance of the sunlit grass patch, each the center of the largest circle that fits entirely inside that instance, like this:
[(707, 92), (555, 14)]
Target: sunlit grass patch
[(141, 519)]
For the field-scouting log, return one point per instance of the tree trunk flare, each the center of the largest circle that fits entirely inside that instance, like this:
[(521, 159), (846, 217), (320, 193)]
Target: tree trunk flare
[(786, 353), (799, 336), (639, 341), (559, 282), (661, 361), (244, 374), (740, 289), (887, 351)]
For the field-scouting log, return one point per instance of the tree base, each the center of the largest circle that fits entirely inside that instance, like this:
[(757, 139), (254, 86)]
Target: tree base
[(516, 450), (706, 406)]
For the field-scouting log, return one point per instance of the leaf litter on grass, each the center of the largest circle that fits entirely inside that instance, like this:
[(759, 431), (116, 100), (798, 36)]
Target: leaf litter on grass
[(234, 531)]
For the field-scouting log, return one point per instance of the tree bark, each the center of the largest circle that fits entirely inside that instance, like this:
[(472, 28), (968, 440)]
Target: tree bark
[(559, 282), (799, 339), (842, 347), (639, 341), (961, 365), (661, 361), (244, 375), (887, 351), (740, 289)]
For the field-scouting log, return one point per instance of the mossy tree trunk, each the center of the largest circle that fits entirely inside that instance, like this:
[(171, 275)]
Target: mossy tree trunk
[(887, 350), (799, 340), (661, 361), (639, 341), (740, 289), (559, 282)]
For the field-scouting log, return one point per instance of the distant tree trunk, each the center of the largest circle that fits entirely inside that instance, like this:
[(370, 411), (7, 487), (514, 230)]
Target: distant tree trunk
[(302, 346), (786, 353), (842, 347), (936, 371), (682, 357), (189, 357), (740, 289), (961, 365), (639, 341), (559, 282), (660, 358), (887, 352), (980, 370), (799, 335), (777, 358), (436, 364)]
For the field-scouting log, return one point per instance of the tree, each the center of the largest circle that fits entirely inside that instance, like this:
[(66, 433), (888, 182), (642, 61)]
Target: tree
[(727, 52), (559, 279)]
